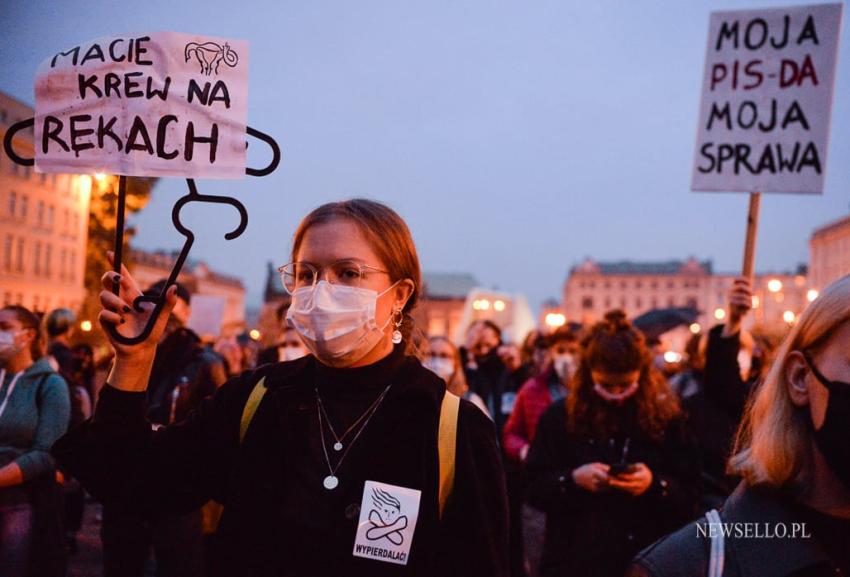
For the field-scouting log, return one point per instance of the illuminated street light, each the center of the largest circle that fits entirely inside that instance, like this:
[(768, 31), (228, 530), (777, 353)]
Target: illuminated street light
[(720, 314), (499, 305), (99, 176), (695, 328), (672, 357), (812, 294), (756, 302), (789, 317), (555, 320), (774, 285), (85, 326), (254, 334)]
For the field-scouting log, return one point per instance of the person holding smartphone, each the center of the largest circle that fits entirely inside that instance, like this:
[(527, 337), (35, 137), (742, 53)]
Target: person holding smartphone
[(611, 466)]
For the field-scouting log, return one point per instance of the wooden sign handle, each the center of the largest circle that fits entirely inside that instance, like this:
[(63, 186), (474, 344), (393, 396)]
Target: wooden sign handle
[(752, 230)]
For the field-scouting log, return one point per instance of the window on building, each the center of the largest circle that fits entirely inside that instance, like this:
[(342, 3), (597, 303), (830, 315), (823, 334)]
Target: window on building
[(63, 264), (39, 215), (592, 284), (13, 203), (638, 283), (7, 299), (622, 284), (35, 303), (48, 257), (607, 284), (20, 260), (638, 303), (653, 285), (670, 284), (691, 302), (653, 302), (587, 303), (72, 273), (37, 259), (66, 221), (50, 214), (76, 229), (671, 302), (622, 302), (607, 302), (7, 253), (25, 206)]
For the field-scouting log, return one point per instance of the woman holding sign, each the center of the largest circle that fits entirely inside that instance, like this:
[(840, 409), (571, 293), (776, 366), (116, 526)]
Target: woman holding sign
[(790, 516), (350, 461)]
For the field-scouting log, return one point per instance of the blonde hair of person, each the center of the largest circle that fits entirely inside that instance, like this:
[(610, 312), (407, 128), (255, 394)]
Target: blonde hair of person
[(457, 385), (773, 445)]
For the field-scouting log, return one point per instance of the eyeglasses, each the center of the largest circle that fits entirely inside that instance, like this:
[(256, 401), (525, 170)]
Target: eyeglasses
[(347, 272)]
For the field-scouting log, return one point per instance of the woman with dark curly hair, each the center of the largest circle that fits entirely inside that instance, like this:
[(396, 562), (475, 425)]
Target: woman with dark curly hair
[(611, 465)]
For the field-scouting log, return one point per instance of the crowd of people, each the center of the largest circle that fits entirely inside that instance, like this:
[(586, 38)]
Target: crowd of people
[(574, 452)]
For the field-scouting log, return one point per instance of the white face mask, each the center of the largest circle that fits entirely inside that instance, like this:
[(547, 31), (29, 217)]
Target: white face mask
[(336, 322), (445, 368), (8, 348), (564, 365), (290, 353)]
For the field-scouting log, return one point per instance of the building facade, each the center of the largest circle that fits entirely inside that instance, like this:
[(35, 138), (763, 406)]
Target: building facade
[(830, 252), (223, 294), (593, 288), (43, 226)]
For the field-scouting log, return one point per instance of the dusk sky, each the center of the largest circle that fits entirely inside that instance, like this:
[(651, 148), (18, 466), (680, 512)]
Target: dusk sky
[(516, 138)]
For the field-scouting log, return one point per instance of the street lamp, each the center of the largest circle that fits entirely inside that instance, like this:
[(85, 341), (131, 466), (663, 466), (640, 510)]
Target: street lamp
[(499, 305), (695, 328), (789, 317), (812, 295), (254, 334), (85, 326), (774, 285), (555, 320), (720, 314)]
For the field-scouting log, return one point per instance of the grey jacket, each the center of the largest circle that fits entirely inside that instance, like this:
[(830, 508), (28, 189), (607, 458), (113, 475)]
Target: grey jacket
[(35, 417)]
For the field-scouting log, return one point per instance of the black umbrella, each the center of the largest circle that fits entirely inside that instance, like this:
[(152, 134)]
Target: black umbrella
[(656, 322)]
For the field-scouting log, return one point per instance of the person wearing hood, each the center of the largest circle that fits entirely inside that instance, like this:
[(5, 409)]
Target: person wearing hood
[(793, 454), (611, 465), (34, 413)]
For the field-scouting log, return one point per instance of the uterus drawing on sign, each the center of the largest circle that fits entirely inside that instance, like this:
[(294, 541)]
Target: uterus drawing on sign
[(210, 55), (386, 519)]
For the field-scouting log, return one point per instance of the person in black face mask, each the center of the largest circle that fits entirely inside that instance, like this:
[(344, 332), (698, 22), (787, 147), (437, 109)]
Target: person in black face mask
[(793, 452)]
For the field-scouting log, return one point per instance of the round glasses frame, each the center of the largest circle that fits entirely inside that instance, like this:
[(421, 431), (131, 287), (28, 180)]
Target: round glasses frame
[(346, 272)]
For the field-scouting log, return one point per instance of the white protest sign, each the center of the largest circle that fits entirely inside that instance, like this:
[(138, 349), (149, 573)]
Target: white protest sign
[(207, 315), (158, 104), (388, 516), (766, 100)]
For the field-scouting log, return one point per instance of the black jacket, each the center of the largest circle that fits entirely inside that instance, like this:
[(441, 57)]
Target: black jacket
[(278, 519), (715, 412), (184, 373), (598, 533), (685, 553)]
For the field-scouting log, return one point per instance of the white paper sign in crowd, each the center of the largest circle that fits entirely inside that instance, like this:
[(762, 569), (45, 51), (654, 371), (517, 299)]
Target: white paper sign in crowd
[(766, 100), (158, 104)]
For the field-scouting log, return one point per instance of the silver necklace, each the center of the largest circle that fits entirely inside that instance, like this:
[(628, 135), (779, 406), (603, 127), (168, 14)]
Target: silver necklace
[(338, 446), (331, 481)]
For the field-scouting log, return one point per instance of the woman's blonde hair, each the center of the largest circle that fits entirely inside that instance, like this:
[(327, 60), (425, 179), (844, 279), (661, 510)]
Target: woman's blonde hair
[(457, 385), (773, 442)]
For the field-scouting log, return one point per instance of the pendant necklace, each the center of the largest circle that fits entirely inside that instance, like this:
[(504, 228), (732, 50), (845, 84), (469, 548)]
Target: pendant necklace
[(338, 440), (331, 481)]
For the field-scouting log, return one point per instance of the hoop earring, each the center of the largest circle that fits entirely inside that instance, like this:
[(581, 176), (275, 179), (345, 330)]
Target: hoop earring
[(398, 320)]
